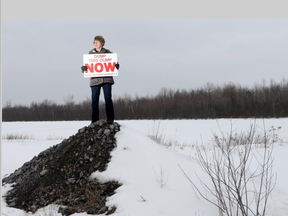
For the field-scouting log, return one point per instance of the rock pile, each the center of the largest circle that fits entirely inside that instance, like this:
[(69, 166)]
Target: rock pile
[(60, 174)]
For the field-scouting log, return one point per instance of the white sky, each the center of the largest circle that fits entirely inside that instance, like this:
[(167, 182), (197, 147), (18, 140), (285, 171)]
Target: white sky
[(41, 58)]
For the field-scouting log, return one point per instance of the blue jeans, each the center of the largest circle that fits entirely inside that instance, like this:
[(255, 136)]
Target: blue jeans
[(107, 89)]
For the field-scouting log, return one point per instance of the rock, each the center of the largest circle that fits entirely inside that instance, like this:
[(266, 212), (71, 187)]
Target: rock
[(65, 178), (100, 132), (76, 201), (107, 132), (71, 181), (102, 210), (12, 204), (82, 130), (92, 211), (43, 172)]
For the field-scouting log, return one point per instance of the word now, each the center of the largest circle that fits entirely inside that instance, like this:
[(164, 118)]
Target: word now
[(99, 67)]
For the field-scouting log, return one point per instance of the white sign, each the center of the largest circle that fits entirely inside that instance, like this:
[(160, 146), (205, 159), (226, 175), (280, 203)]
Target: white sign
[(100, 65)]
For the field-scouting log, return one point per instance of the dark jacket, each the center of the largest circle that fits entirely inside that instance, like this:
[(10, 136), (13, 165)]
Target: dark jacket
[(94, 81)]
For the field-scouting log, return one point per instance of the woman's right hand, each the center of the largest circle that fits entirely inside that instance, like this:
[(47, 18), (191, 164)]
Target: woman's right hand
[(84, 68)]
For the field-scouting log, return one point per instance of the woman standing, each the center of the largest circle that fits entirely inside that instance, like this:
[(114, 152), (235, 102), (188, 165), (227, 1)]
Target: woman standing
[(96, 83)]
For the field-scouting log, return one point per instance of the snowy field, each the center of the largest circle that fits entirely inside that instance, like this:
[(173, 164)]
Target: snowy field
[(153, 183)]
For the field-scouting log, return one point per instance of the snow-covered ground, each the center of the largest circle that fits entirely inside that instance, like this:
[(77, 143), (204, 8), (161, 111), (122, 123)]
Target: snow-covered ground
[(153, 183)]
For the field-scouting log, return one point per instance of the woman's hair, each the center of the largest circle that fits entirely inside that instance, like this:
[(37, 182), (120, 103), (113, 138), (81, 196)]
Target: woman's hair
[(101, 39)]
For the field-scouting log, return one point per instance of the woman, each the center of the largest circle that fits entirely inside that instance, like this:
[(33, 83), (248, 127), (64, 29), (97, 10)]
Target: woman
[(96, 83)]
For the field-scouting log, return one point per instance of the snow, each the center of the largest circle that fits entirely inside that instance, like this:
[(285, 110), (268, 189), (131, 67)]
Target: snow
[(152, 182)]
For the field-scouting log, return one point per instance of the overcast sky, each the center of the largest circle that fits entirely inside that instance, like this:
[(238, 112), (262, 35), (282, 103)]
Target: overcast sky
[(41, 58)]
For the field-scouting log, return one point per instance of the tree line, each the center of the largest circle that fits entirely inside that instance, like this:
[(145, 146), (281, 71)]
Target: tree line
[(210, 101)]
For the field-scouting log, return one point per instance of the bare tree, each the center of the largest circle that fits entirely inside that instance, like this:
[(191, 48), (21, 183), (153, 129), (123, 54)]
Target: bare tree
[(237, 188)]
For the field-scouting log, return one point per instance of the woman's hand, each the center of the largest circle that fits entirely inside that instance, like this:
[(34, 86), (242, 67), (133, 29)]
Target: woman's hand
[(84, 68)]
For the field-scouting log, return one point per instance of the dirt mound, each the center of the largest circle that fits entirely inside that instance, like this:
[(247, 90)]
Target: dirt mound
[(60, 174)]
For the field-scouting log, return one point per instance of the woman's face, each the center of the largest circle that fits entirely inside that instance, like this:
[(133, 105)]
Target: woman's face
[(97, 45)]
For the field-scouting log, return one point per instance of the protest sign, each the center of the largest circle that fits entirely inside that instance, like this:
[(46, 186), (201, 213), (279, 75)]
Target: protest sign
[(100, 65)]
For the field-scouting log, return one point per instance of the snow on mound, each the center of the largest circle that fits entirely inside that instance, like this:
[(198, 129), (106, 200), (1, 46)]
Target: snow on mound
[(153, 183)]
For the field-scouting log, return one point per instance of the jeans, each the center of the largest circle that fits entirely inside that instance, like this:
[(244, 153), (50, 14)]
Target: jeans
[(107, 89)]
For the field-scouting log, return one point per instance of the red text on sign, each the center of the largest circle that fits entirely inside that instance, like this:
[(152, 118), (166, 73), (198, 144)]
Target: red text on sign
[(99, 67)]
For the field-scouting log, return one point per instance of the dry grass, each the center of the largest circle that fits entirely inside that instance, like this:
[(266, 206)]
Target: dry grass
[(50, 137), (16, 136)]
